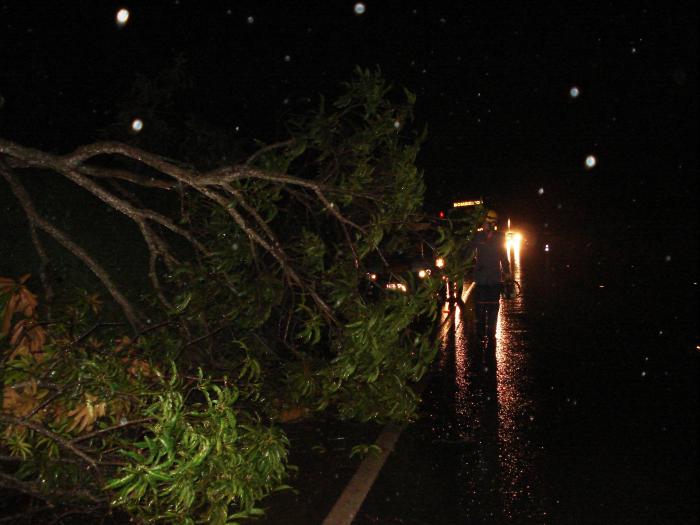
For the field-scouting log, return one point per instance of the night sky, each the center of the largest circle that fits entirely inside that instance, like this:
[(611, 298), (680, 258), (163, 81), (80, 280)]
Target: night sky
[(494, 83)]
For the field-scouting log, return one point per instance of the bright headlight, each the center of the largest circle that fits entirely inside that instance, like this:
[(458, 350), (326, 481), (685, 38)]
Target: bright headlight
[(513, 240)]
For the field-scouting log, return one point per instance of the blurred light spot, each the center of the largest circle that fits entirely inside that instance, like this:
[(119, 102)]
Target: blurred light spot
[(398, 287), (250, 19), (137, 125), (667, 258), (591, 161), (574, 92), (122, 17), (540, 191), (359, 8)]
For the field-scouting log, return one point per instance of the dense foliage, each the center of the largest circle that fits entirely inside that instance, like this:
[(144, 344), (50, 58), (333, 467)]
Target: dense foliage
[(257, 313)]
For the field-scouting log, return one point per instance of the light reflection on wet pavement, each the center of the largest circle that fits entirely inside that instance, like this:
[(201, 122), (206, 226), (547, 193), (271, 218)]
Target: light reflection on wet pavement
[(552, 426)]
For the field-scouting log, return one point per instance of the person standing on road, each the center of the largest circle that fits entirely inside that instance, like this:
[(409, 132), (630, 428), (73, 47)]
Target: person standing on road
[(491, 268)]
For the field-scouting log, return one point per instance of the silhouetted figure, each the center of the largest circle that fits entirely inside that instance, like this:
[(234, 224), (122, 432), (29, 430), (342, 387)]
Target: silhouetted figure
[(490, 270)]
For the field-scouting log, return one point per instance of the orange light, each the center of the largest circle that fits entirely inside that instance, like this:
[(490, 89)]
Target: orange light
[(513, 241), (462, 204), (440, 262)]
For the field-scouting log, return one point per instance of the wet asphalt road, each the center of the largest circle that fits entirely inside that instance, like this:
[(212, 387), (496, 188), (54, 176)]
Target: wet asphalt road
[(583, 413)]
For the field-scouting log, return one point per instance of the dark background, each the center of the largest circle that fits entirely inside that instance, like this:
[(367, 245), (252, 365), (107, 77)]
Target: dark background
[(492, 80)]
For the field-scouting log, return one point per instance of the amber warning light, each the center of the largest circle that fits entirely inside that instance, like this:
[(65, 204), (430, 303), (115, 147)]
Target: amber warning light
[(462, 204)]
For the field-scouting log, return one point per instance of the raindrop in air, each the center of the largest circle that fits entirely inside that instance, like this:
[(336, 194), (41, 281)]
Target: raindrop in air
[(359, 8), (122, 17)]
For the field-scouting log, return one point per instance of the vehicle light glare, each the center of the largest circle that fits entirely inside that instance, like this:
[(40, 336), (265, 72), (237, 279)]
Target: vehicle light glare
[(514, 241)]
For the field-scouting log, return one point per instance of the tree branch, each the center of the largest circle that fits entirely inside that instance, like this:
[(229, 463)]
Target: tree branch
[(34, 490), (73, 167), (112, 428), (64, 443), (43, 257), (71, 246), (267, 148)]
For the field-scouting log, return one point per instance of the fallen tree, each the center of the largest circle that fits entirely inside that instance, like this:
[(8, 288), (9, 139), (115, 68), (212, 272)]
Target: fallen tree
[(254, 314)]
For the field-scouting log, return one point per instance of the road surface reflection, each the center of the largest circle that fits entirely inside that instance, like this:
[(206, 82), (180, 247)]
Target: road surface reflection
[(492, 412)]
